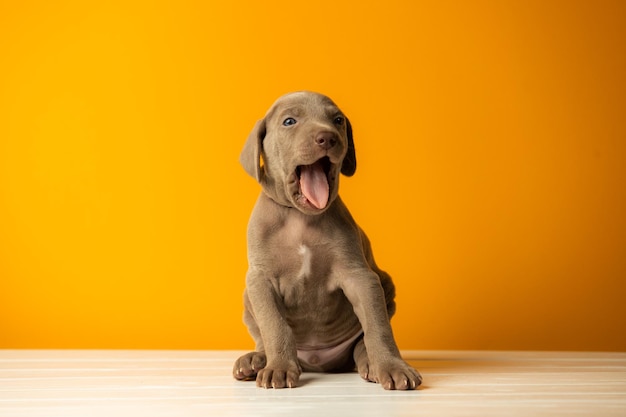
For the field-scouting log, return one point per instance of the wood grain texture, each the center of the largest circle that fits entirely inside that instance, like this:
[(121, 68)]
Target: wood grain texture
[(199, 383)]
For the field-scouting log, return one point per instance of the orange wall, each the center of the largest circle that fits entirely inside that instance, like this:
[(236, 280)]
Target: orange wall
[(491, 140)]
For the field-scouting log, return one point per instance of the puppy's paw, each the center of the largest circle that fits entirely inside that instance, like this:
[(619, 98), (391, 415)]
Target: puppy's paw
[(248, 366), (394, 374), (281, 375)]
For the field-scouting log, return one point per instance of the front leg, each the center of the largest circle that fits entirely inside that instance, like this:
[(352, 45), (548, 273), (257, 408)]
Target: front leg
[(376, 355), (282, 369)]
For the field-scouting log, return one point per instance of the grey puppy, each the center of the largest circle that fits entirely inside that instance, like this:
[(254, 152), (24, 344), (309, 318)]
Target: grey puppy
[(315, 299)]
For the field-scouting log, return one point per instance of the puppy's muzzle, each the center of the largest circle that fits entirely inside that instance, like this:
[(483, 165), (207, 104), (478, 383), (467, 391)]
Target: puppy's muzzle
[(316, 180), (326, 140)]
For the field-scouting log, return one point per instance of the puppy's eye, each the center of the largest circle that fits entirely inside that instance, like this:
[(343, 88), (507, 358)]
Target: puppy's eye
[(338, 120), (289, 121)]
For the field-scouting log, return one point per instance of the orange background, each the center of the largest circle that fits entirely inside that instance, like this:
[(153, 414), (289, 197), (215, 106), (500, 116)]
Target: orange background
[(490, 136)]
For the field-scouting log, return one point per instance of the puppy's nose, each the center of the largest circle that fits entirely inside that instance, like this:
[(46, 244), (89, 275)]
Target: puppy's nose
[(326, 139)]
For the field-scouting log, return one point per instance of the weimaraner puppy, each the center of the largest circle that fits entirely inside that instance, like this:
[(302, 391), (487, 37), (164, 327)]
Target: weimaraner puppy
[(315, 299)]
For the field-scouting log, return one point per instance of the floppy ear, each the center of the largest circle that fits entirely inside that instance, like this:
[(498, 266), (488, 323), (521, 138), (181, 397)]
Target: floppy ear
[(348, 166), (250, 157)]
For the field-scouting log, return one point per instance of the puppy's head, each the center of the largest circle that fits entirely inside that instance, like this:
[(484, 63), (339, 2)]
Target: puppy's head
[(298, 149)]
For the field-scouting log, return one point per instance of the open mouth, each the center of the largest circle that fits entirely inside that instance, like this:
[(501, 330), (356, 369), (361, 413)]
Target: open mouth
[(314, 182)]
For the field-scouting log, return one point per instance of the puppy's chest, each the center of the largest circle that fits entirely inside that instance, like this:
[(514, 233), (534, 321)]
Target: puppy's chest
[(302, 259), (306, 282), (303, 262)]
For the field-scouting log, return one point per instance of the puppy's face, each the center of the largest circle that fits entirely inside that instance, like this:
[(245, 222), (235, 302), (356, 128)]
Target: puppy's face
[(306, 142)]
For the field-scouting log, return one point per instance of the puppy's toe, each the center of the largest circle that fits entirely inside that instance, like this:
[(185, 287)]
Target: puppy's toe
[(271, 378), (398, 376), (278, 377), (405, 381), (363, 365), (247, 366), (363, 368)]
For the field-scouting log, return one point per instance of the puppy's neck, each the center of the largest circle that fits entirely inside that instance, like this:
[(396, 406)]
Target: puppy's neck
[(273, 191), (282, 207)]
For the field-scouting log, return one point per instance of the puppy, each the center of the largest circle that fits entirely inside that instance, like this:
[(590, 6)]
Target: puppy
[(315, 299)]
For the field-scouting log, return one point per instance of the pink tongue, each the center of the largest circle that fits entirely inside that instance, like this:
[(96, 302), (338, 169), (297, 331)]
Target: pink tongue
[(314, 184)]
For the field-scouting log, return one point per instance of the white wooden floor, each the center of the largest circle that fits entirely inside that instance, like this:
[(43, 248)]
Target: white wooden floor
[(199, 383)]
